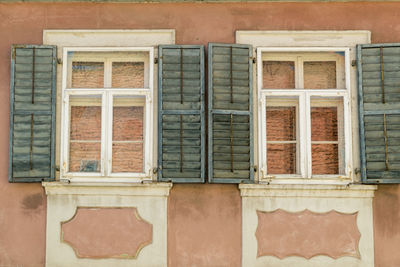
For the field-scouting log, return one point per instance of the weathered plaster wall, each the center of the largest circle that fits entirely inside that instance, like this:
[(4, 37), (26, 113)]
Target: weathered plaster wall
[(196, 211)]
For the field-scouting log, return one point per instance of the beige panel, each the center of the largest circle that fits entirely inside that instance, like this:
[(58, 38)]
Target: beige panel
[(317, 199), (150, 200)]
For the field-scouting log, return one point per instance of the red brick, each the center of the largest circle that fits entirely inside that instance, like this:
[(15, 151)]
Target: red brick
[(87, 75)]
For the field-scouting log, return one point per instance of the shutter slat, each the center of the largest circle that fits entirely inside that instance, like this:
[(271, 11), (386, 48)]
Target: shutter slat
[(379, 96), (185, 141), (181, 114), (32, 113), (230, 114)]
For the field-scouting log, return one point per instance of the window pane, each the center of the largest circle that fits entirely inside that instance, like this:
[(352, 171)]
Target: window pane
[(281, 135), (278, 75), (281, 158), (281, 123), (327, 135), (87, 75), (324, 124), (106, 69), (320, 75), (325, 159), (85, 134), (128, 74), (128, 141)]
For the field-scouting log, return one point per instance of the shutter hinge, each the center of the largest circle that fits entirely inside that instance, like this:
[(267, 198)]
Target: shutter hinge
[(254, 60), (255, 168), (353, 63), (155, 60), (59, 61), (155, 170)]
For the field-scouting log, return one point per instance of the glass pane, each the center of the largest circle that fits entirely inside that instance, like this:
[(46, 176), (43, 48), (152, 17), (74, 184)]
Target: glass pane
[(281, 158), (327, 135), (87, 75), (320, 75), (103, 69), (325, 159), (324, 124), (128, 74), (128, 141), (85, 134), (281, 123), (281, 135), (278, 75)]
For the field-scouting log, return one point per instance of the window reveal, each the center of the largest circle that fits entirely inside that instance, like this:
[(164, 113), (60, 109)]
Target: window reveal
[(303, 98), (107, 111)]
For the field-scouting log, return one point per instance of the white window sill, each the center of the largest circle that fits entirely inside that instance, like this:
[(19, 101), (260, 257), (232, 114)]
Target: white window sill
[(336, 180), (307, 190), (107, 188)]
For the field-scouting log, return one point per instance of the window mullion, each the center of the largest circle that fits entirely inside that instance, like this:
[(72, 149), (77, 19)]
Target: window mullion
[(65, 136), (307, 135), (262, 150), (263, 134), (347, 134), (104, 135), (299, 74), (147, 142), (107, 73)]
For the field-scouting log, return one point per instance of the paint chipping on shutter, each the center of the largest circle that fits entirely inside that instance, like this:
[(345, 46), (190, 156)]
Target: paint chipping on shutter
[(230, 139), (181, 128), (379, 112), (32, 113)]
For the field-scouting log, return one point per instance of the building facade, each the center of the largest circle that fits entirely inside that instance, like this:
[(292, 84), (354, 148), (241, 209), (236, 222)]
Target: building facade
[(197, 133)]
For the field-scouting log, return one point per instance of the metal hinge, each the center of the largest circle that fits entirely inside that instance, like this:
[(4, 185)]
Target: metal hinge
[(155, 60), (353, 63), (254, 60), (59, 61)]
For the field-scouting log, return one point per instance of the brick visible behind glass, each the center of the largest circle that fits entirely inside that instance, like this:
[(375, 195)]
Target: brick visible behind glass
[(278, 74), (87, 75), (281, 158), (128, 75), (325, 159), (320, 75)]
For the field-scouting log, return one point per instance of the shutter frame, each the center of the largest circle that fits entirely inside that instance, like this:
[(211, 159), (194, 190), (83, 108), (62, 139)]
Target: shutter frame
[(386, 178), (51, 112), (184, 112), (212, 111)]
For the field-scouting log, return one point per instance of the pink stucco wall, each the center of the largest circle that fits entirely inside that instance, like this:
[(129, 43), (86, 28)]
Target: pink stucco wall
[(22, 206)]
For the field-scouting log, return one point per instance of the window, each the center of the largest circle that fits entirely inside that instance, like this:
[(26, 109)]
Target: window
[(107, 113), (304, 125)]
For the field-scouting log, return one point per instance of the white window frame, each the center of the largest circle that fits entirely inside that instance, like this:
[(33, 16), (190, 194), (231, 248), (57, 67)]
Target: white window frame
[(107, 94), (304, 123)]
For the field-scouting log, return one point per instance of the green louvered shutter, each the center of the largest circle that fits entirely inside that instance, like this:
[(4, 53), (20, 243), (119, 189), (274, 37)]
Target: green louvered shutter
[(379, 112), (230, 127), (32, 113), (181, 127)]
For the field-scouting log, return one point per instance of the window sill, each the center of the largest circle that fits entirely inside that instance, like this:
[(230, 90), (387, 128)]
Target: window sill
[(307, 190), (134, 179), (107, 188), (334, 180)]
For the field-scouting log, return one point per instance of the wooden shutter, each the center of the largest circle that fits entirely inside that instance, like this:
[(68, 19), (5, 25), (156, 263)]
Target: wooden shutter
[(379, 112), (181, 128), (230, 122), (32, 113)]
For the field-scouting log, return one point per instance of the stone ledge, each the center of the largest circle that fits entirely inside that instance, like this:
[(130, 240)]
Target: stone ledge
[(99, 188), (299, 190)]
